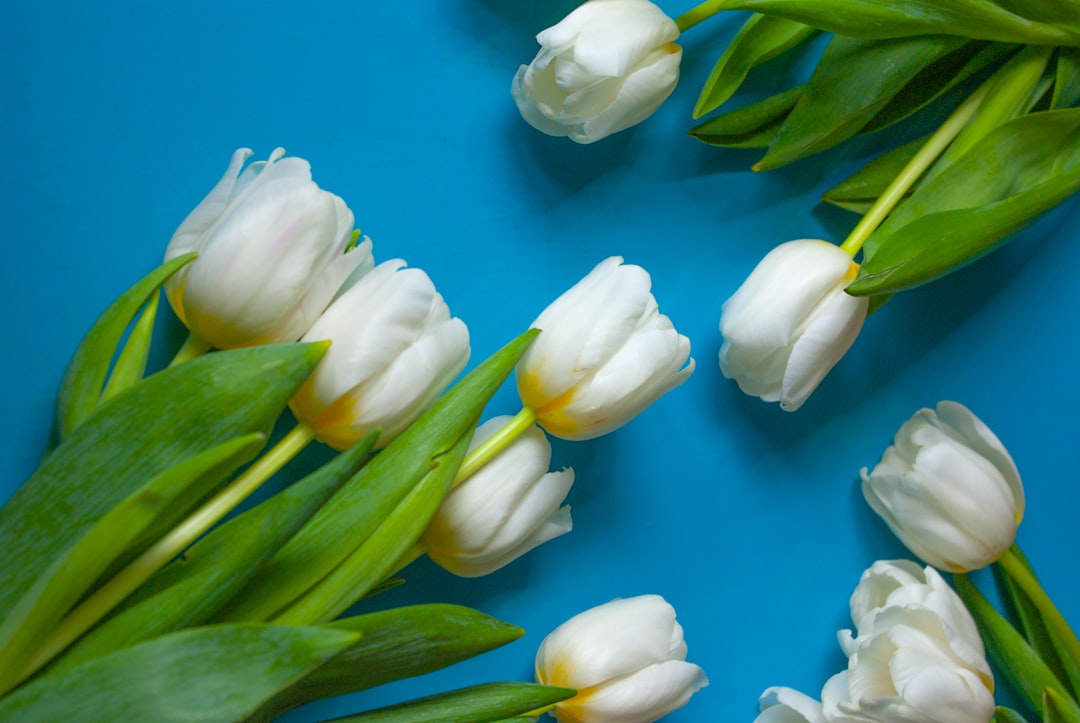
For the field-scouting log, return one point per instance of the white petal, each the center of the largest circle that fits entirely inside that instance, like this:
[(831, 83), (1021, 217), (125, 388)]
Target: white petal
[(641, 697), (826, 339)]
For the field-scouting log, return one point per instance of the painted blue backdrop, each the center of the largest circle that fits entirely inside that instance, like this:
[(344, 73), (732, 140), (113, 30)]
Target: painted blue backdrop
[(118, 116)]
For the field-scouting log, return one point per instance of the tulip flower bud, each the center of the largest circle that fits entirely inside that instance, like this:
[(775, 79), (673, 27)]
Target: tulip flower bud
[(909, 662), (508, 507), (605, 354), (606, 66), (791, 321), (272, 254), (948, 489), (784, 705), (627, 660), (394, 349)]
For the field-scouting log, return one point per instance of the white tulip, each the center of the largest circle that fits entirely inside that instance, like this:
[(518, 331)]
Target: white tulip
[(606, 66), (948, 489), (272, 254), (605, 354), (626, 659), (911, 667), (394, 348), (784, 705), (791, 321), (509, 506)]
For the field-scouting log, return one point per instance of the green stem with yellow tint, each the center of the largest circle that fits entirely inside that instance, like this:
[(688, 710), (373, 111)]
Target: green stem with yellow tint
[(490, 447), (914, 169), (1015, 568), (698, 13), (112, 593), (193, 347)]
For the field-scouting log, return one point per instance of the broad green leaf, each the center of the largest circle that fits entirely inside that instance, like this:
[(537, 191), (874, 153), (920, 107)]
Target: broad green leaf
[(853, 82), (1007, 647), (75, 570), (1067, 79), (357, 510), (760, 40), (1038, 634), (974, 58), (752, 126), (135, 436), (1057, 708), (80, 390), (220, 673), (194, 587), (1018, 171), (487, 703), (130, 366), (1007, 715), (397, 644), (1064, 12), (376, 557), (976, 19), (859, 192)]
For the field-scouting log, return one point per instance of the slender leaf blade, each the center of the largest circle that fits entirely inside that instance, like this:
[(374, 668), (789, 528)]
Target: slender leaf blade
[(860, 190), (761, 39), (1007, 715), (397, 644), (130, 366), (81, 388), (486, 703), (1066, 79), (752, 126), (220, 673)]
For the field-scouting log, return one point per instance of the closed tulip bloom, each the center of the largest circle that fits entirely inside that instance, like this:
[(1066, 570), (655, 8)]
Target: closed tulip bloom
[(508, 507), (394, 348), (606, 66), (903, 583), (605, 354), (272, 254), (948, 489), (626, 659), (910, 666), (791, 321), (784, 705)]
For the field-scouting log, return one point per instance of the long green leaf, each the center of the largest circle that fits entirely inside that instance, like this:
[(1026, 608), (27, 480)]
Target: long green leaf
[(760, 40), (74, 572), (130, 366), (135, 436), (220, 673), (377, 556), (860, 190), (752, 126), (853, 82), (1067, 79), (1007, 647), (397, 644), (80, 390), (191, 589), (1007, 715), (487, 703), (976, 19), (357, 510), (1018, 171)]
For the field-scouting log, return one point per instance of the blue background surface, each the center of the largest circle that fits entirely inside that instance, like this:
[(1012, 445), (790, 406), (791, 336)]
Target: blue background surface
[(119, 116)]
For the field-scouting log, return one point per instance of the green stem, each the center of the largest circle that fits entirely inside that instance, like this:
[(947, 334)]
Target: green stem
[(490, 447), (1026, 580), (112, 593), (696, 14), (913, 170), (193, 347)]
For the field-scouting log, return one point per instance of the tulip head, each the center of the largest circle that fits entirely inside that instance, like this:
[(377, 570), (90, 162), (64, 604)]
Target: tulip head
[(627, 660), (272, 254), (606, 66), (948, 488), (784, 705), (605, 354), (909, 662), (509, 506), (791, 321), (394, 348)]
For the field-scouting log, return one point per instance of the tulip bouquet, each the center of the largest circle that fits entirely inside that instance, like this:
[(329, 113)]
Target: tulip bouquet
[(950, 491), (126, 594), (1001, 79)]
